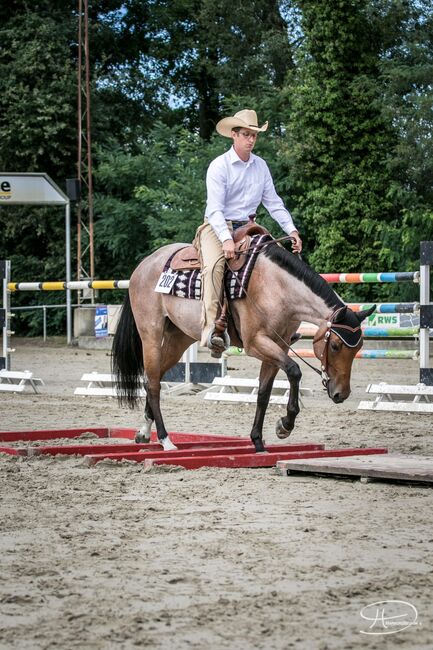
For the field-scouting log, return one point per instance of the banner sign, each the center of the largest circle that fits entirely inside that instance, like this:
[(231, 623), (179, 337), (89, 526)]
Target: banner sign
[(30, 189), (101, 321)]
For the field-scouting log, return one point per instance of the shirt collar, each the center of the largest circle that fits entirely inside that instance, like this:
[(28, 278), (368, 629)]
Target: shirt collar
[(234, 158)]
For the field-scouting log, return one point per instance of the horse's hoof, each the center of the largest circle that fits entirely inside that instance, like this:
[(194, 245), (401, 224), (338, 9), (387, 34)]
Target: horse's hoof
[(259, 446), (281, 431), (141, 438), (167, 444)]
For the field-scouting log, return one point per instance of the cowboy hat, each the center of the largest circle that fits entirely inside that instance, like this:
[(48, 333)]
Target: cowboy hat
[(246, 119)]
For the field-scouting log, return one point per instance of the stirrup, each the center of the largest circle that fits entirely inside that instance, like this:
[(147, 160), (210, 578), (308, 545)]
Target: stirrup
[(218, 343)]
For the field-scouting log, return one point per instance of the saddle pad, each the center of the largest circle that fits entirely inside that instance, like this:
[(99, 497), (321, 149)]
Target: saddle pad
[(188, 282)]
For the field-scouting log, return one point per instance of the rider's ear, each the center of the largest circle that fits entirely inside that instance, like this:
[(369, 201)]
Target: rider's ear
[(360, 315)]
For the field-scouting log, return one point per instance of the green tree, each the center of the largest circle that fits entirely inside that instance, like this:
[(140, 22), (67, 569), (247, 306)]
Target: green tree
[(203, 51), (407, 73), (338, 140)]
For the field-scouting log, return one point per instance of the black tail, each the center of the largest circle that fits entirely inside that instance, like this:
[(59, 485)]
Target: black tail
[(127, 358)]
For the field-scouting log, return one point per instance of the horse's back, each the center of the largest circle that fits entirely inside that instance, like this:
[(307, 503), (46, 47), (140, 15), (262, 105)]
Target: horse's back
[(150, 268)]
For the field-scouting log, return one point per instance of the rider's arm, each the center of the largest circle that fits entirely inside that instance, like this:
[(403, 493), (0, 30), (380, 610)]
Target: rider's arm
[(275, 206), (216, 184)]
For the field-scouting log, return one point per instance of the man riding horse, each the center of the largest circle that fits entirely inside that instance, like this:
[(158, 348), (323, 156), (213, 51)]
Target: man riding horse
[(237, 183), (159, 322)]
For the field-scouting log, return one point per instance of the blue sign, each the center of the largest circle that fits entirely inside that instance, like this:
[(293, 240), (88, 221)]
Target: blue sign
[(101, 321)]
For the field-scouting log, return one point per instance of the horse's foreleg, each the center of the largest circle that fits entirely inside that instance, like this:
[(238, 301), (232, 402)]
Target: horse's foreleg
[(285, 425), (265, 349), (266, 381)]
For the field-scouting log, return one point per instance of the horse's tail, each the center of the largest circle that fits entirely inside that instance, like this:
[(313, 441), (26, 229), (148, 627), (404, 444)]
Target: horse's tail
[(127, 358)]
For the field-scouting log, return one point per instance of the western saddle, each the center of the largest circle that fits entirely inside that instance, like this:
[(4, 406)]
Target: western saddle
[(188, 257)]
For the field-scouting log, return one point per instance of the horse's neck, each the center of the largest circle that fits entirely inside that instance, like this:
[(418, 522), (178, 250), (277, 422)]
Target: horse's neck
[(314, 309), (308, 305)]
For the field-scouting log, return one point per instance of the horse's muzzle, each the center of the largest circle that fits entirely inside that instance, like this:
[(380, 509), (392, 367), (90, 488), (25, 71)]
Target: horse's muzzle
[(337, 394)]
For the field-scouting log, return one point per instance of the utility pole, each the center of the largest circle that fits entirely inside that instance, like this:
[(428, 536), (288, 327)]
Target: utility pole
[(85, 248)]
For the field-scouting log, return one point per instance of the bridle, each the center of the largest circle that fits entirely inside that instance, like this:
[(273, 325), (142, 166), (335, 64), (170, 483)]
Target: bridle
[(324, 334)]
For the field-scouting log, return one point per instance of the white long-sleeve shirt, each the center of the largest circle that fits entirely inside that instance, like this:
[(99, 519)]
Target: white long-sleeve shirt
[(235, 190)]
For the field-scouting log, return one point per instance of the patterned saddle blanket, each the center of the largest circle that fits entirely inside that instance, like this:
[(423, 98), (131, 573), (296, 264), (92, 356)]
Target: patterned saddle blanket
[(187, 282)]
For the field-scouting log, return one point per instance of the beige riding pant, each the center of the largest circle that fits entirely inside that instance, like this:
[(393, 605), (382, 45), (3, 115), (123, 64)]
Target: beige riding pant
[(212, 264)]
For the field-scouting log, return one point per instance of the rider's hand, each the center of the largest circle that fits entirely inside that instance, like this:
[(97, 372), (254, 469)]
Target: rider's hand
[(229, 249), (296, 242)]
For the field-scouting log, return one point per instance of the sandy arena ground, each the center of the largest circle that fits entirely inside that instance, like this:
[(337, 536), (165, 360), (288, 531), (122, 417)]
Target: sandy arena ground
[(116, 557)]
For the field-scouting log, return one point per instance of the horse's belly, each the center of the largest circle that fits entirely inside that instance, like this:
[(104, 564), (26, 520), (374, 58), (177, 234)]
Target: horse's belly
[(185, 314)]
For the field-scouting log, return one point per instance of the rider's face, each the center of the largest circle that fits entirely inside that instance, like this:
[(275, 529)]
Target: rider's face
[(244, 142)]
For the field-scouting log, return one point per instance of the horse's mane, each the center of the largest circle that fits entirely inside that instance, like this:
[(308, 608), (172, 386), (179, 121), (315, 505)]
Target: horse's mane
[(299, 269)]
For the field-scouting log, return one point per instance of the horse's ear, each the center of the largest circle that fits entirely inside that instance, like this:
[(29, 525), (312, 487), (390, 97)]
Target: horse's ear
[(360, 315), (341, 315)]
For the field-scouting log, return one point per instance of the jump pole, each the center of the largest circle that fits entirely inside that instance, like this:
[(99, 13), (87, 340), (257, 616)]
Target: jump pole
[(426, 313), (422, 277), (5, 314)]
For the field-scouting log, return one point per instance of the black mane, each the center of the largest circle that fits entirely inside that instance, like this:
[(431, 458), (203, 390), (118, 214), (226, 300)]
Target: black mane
[(295, 266)]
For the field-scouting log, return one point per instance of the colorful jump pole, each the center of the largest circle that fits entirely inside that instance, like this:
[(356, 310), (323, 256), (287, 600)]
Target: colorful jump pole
[(367, 278)]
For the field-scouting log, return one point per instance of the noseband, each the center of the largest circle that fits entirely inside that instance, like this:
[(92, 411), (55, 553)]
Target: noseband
[(351, 336)]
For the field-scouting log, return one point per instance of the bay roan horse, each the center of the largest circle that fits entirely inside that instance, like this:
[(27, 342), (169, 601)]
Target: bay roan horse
[(155, 329)]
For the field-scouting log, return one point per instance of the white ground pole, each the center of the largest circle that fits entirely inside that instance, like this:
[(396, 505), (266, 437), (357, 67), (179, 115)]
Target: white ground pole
[(426, 313), (40, 189)]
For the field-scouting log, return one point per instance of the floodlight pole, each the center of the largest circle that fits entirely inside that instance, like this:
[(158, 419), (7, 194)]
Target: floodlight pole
[(68, 272)]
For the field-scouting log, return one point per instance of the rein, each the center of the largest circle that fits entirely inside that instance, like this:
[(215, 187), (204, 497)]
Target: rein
[(250, 249), (321, 372), (331, 325)]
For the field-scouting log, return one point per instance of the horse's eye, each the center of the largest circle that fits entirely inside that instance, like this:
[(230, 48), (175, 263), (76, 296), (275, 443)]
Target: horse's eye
[(335, 346)]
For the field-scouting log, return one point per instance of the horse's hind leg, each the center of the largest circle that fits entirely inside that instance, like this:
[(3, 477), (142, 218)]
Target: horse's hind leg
[(157, 360), (144, 434), (266, 381)]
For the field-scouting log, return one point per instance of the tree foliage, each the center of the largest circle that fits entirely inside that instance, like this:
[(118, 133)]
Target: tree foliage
[(346, 87)]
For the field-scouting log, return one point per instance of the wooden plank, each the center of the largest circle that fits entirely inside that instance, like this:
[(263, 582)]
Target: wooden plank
[(98, 377), (11, 388), (12, 451), (120, 451), (176, 436), (111, 432), (244, 397), (232, 459), (98, 391), (389, 466), (16, 374), (49, 434), (242, 382), (401, 407), (394, 389)]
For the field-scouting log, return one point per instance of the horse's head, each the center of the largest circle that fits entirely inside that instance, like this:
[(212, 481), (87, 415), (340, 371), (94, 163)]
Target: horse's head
[(335, 344)]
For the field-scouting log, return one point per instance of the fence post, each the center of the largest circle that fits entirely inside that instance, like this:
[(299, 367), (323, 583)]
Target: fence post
[(426, 313), (5, 313)]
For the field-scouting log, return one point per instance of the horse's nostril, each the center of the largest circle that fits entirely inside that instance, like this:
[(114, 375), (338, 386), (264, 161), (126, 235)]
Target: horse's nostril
[(337, 398)]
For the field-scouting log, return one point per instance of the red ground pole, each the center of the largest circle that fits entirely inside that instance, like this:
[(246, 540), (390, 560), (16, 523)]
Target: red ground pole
[(194, 450)]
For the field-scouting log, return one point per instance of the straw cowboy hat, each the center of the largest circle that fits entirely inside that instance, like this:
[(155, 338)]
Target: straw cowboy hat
[(246, 119)]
